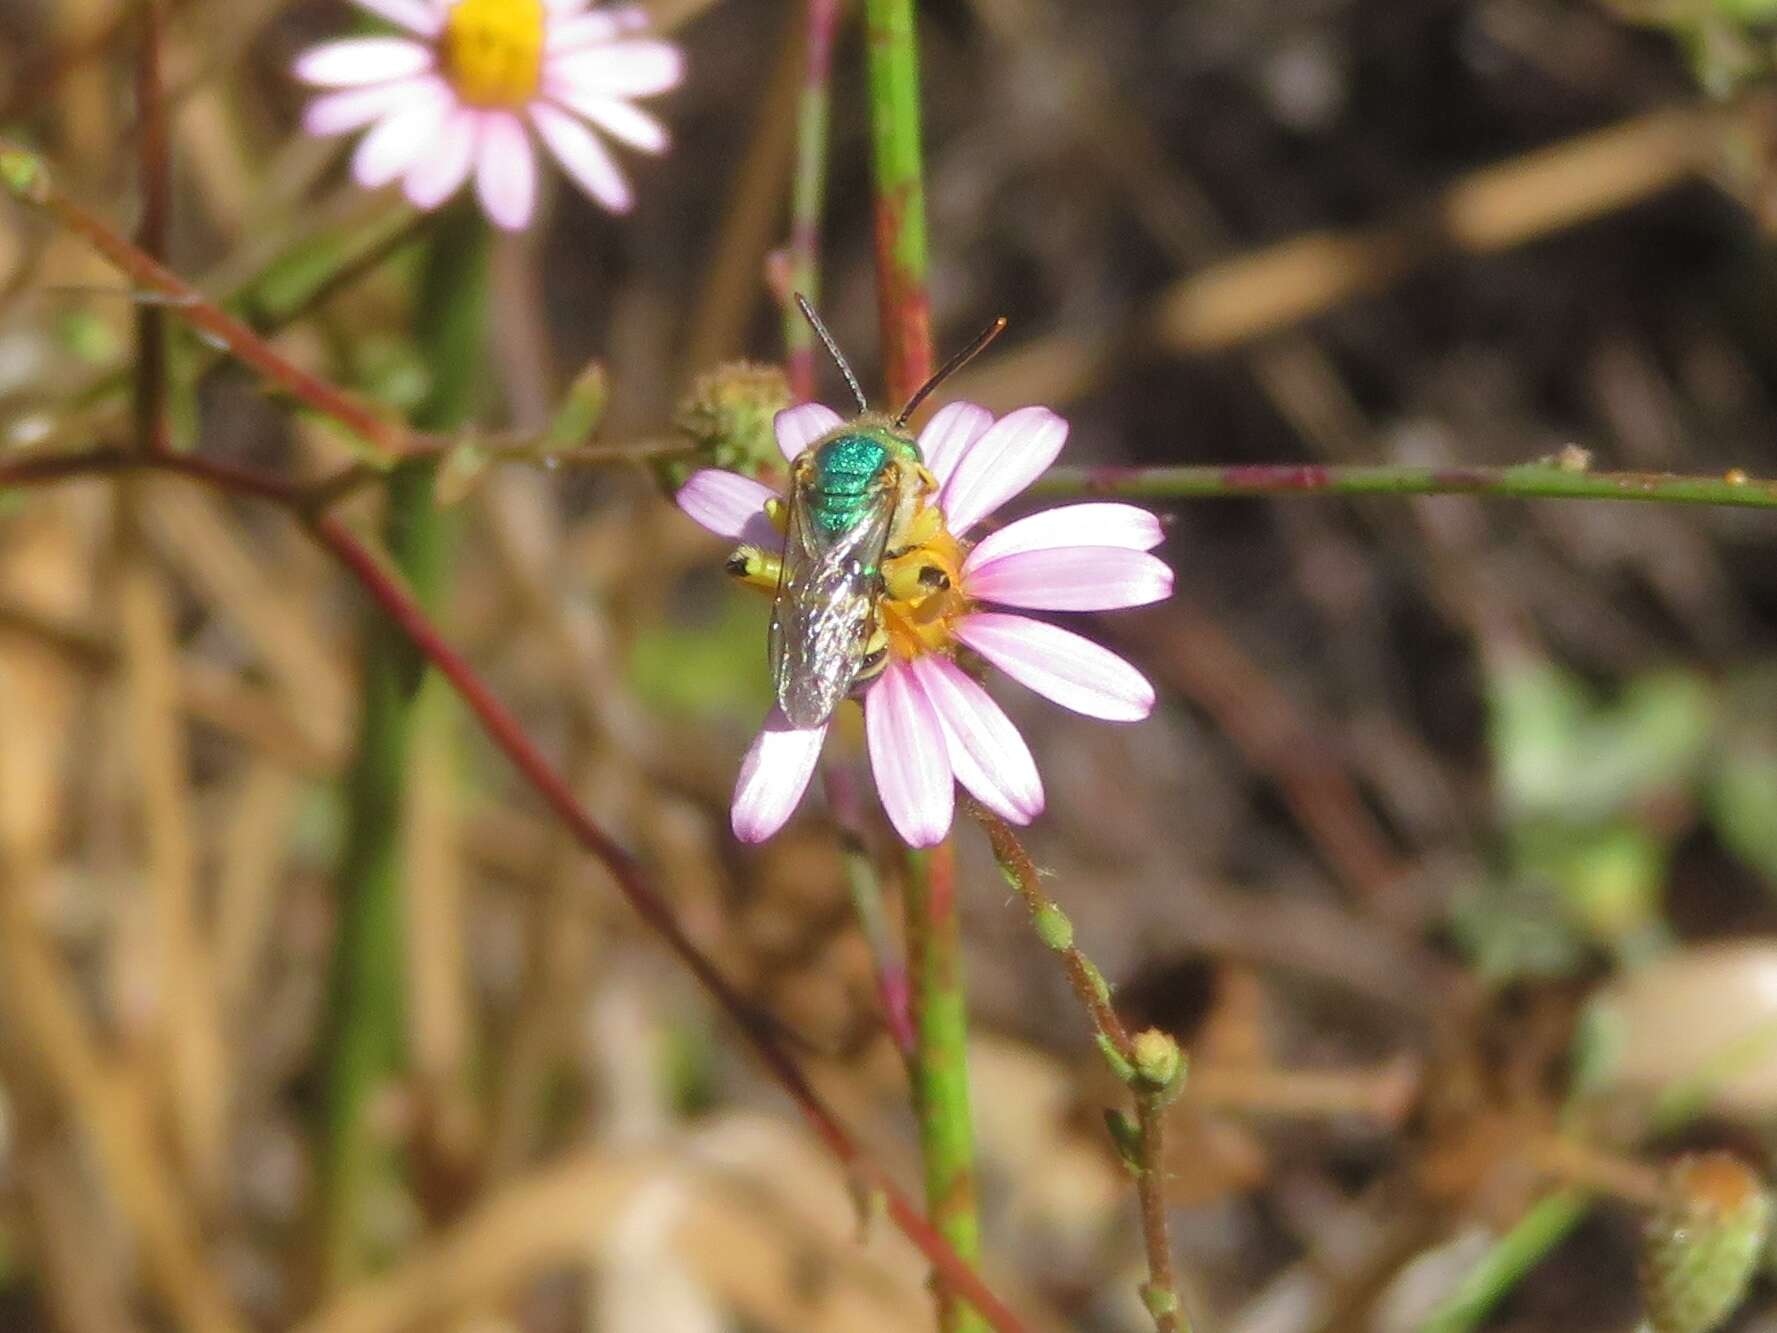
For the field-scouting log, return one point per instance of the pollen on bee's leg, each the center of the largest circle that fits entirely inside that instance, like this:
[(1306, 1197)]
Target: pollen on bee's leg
[(903, 579), (778, 514), (876, 651), (755, 568), (925, 525)]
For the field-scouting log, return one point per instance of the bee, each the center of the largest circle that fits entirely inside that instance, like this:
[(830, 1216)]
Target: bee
[(854, 496)]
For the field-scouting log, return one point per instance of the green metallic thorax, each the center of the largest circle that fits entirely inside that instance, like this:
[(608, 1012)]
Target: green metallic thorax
[(847, 472)]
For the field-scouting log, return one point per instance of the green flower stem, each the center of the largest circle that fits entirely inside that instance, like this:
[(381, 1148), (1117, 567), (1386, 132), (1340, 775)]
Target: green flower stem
[(366, 1016), (1560, 479), (1149, 1062), (941, 1066), (1521, 1249), (934, 943), (900, 196), (810, 193)]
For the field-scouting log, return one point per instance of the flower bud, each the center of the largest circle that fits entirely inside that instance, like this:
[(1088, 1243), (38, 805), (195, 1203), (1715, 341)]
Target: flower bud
[(1701, 1243), (1158, 1062), (728, 415)]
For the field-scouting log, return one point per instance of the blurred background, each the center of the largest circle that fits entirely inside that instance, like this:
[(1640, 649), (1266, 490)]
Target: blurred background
[(1450, 853)]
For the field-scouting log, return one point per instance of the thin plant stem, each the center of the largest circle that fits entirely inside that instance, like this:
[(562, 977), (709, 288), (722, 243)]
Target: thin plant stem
[(1546, 1225), (903, 303), (27, 177), (156, 182), (892, 987), (368, 1016), (1149, 1062), (809, 193), (1565, 477), (934, 936), (941, 1065), (24, 175)]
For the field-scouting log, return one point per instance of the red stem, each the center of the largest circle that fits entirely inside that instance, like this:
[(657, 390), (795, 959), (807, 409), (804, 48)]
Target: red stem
[(504, 730), (27, 179), (155, 159)]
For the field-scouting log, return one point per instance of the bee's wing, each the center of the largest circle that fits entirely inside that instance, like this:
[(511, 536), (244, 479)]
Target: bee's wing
[(826, 608)]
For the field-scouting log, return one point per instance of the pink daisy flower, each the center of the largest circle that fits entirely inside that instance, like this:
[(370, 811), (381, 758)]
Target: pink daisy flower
[(928, 723), (464, 91)]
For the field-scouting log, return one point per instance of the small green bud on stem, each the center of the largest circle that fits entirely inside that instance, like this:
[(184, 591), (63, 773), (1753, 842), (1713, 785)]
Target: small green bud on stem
[(24, 175), (729, 415), (1054, 928), (1701, 1243), (1158, 1061)]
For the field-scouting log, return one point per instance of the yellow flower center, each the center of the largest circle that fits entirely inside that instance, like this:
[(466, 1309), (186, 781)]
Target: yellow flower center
[(493, 51), (922, 596)]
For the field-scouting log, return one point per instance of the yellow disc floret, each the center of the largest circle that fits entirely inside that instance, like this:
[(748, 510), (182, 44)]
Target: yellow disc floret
[(493, 51), (922, 596)]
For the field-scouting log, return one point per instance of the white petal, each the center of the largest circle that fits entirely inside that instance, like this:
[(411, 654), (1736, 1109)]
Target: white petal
[(567, 33), (773, 777), (1011, 454), (623, 122), (617, 69), (988, 755), (416, 16), (354, 108), (909, 758), (800, 426), (1071, 525), (731, 506), (506, 171), (397, 141), (1060, 665), (949, 434), (583, 157), (1071, 578), (356, 61), (441, 173)]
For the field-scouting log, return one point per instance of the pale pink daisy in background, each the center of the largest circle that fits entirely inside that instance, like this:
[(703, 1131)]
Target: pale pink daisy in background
[(928, 723), (462, 93)]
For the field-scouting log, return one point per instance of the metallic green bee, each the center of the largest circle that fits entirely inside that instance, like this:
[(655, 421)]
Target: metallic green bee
[(853, 495)]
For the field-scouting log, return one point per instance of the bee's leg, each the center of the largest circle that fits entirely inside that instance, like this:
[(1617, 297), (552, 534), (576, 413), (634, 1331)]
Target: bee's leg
[(914, 576), (778, 514), (876, 650), (917, 531), (757, 569)]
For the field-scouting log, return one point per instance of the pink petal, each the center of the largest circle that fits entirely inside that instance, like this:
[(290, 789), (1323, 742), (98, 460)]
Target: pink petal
[(416, 16), (1011, 454), (506, 171), (360, 60), (583, 157), (1072, 578), (949, 434), (986, 752), (773, 777), (731, 506), (1071, 525), (800, 426), (569, 33), (909, 757), (618, 69), (622, 122), (441, 173), (353, 109), (1060, 665), (398, 140)]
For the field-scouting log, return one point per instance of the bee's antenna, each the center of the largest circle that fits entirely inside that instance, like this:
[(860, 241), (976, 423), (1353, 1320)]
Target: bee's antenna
[(950, 367), (833, 351)]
